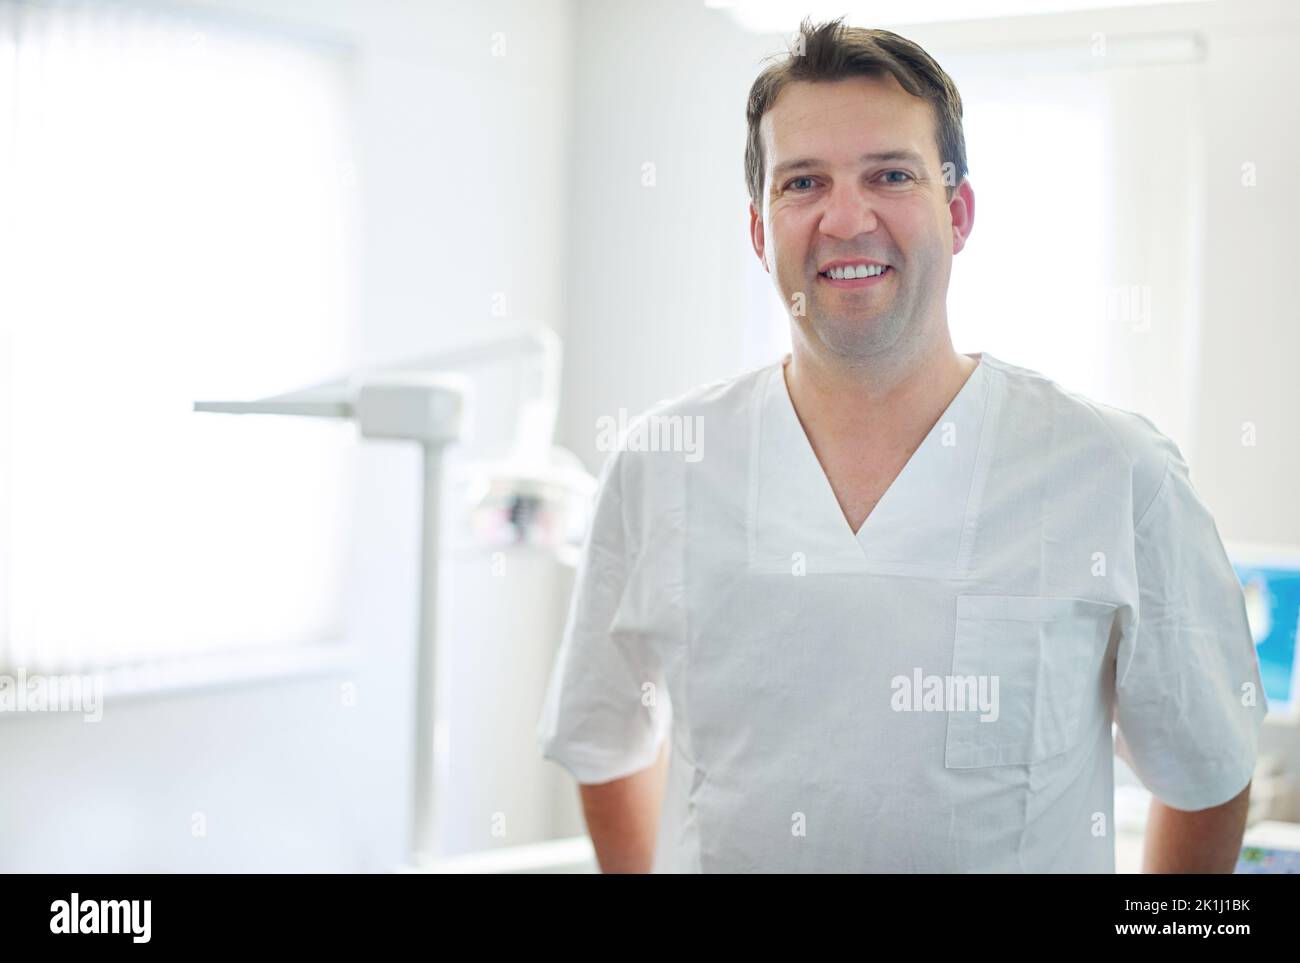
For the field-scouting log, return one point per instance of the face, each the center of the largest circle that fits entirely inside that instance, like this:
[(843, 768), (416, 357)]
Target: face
[(826, 203)]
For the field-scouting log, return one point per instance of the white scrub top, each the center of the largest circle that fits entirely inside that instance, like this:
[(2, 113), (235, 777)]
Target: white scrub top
[(1036, 540)]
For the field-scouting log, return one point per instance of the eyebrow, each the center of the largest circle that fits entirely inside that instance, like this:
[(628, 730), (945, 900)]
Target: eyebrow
[(803, 163)]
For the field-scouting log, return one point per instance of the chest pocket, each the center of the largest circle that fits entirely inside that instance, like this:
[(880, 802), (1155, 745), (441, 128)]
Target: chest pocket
[(1040, 651)]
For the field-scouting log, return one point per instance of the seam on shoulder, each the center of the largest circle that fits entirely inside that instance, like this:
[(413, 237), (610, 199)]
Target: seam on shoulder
[(1094, 408), (1164, 477)]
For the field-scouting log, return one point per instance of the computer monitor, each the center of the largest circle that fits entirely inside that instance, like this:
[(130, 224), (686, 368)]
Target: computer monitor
[(1270, 578)]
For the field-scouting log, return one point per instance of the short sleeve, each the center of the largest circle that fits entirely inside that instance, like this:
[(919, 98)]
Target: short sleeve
[(1189, 700), (606, 709)]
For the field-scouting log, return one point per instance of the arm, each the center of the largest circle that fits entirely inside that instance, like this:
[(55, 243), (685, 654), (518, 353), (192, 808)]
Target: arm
[(1204, 841), (623, 817)]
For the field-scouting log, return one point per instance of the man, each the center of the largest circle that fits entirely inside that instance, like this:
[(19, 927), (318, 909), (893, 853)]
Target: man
[(890, 610)]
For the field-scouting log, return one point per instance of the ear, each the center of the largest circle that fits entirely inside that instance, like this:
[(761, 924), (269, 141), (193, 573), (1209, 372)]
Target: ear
[(962, 209), (757, 237)]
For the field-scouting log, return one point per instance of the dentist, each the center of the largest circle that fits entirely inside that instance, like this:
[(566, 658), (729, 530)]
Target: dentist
[(876, 506)]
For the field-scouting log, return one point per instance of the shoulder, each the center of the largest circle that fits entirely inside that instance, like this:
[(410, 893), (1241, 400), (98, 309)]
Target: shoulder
[(641, 500), (677, 425), (1091, 429), (720, 398)]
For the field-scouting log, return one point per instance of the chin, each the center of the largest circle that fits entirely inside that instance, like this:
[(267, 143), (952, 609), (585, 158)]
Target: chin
[(856, 338)]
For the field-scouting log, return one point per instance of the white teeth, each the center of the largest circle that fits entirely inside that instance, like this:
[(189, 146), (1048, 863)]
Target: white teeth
[(855, 271)]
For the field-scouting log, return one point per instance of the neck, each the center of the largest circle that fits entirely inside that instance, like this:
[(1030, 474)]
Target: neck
[(897, 392)]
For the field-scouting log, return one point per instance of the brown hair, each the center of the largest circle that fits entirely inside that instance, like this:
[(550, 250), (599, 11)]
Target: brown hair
[(832, 51)]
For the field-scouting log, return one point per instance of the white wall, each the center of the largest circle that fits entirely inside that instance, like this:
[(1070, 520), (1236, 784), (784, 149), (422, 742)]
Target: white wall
[(654, 273)]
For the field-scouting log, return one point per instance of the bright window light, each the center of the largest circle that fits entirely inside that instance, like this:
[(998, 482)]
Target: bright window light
[(176, 223), (1025, 288)]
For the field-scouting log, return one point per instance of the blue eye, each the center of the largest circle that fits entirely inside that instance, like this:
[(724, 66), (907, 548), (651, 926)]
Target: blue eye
[(789, 185)]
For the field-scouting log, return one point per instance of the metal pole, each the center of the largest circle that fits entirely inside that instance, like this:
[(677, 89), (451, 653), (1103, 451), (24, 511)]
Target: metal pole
[(428, 759)]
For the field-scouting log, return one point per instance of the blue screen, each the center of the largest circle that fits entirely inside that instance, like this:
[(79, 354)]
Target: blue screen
[(1273, 605)]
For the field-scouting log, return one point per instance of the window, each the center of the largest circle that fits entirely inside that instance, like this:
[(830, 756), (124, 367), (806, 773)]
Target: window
[(1026, 286), (176, 223), (1084, 262)]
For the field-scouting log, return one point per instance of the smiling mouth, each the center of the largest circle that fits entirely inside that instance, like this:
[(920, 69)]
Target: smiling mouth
[(854, 281)]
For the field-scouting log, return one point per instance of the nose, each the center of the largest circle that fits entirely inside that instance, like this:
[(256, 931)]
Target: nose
[(850, 211)]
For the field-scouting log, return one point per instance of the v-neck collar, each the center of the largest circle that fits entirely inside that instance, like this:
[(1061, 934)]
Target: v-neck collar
[(924, 521)]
